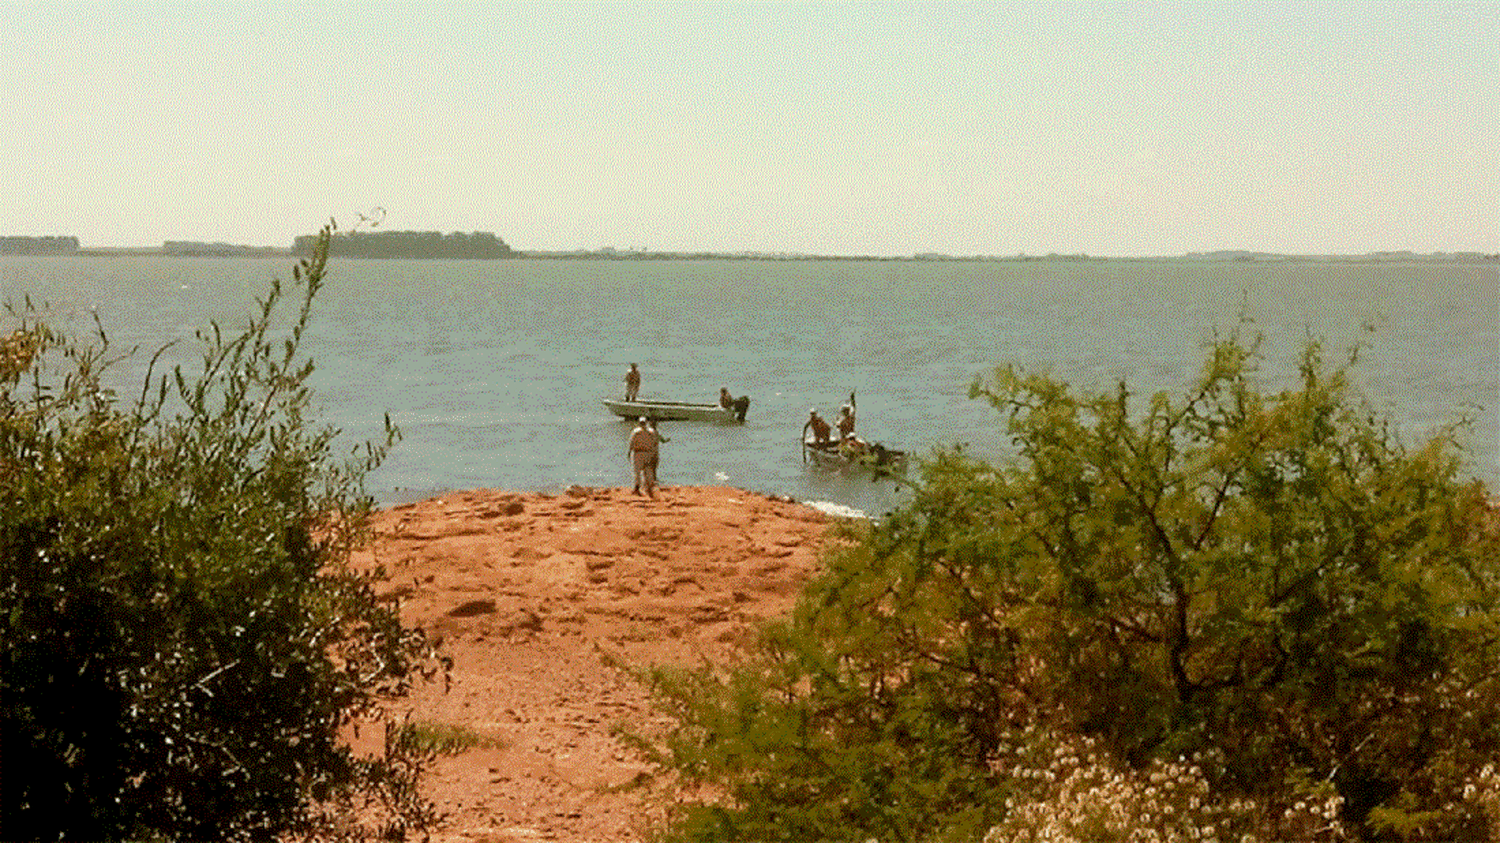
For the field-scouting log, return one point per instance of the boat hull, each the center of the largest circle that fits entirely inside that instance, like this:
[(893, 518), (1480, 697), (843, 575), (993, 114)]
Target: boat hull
[(879, 460), (673, 411)]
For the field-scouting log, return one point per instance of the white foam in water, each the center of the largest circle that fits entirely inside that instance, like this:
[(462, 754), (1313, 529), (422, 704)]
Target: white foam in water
[(837, 510)]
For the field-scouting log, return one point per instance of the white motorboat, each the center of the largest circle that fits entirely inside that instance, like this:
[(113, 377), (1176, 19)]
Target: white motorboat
[(678, 410)]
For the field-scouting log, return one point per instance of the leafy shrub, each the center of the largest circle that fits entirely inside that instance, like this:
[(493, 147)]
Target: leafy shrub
[(1271, 583), (182, 637)]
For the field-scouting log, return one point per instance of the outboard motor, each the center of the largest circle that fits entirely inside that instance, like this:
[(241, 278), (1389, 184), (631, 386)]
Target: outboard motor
[(741, 407)]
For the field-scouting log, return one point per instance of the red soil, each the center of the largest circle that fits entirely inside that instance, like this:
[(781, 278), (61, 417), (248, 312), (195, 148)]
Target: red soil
[(531, 593)]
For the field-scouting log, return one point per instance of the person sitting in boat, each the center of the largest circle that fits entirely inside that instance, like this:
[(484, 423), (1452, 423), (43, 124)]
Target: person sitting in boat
[(846, 421), (822, 431), (725, 399), (632, 382)]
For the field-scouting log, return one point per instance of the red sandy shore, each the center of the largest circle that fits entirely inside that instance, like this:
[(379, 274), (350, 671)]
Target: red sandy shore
[(531, 593)]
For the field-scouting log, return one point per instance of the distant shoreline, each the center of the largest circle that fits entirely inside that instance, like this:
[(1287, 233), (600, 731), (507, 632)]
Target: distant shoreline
[(610, 255)]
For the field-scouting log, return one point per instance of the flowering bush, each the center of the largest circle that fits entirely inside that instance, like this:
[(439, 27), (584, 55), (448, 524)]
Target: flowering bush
[(1078, 793), (1082, 795)]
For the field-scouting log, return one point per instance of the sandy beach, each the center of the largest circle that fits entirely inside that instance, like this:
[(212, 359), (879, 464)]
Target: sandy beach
[(532, 594)]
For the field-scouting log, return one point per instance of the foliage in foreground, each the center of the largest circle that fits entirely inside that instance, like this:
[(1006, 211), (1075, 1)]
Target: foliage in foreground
[(181, 639), (1237, 615)]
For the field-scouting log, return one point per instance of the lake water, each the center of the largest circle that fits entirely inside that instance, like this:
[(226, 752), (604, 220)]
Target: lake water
[(494, 369)]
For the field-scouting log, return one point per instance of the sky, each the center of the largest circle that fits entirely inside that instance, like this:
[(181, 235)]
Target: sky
[(1109, 129)]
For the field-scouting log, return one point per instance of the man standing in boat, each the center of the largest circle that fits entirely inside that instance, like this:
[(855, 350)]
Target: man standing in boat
[(846, 418), (644, 454), (632, 382)]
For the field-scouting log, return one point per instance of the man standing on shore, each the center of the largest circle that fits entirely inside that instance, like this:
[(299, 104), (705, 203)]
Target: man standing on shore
[(643, 457)]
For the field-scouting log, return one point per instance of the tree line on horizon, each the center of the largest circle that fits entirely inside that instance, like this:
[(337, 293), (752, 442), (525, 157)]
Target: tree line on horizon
[(12, 245), (407, 244)]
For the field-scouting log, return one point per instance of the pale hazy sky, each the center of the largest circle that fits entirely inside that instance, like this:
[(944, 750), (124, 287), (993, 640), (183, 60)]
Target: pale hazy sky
[(989, 129)]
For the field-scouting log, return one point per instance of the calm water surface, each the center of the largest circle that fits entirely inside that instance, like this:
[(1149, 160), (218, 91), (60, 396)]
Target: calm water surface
[(494, 369)]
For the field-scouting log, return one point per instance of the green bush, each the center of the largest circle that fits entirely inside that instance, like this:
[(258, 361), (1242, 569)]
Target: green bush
[(1271, 585), (183, 640)]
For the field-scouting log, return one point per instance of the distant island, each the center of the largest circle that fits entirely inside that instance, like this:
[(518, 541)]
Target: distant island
[(38, 245), (485, 245), (407, 244), (195, 249), (171, 248), (357, 244)]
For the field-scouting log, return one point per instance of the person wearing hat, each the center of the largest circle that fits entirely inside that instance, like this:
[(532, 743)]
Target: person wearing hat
[(846, 421), (643, 456), (820, 428)]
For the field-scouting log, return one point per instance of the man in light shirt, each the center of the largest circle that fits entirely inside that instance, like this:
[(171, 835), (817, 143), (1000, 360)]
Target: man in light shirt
[(643, 456)]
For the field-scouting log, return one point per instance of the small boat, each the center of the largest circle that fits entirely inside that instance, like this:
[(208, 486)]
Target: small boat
[(678, 410), (877, 458)]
